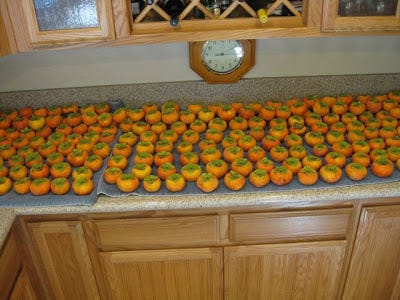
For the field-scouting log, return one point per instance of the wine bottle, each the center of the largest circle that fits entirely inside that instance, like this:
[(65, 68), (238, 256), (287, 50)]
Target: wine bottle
[(137, 7), (174, 8), (224, 5), (216, 8), (259, 7)]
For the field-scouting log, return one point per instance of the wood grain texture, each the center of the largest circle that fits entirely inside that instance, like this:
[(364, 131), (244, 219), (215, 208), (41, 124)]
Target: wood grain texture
[(10, 265), (374, 271), (165, 274), (105, 30), (284, 271), (152, 233), (122, 18), (64, 256), (23, 288), (7, 40), (19, 26), (290, 226)]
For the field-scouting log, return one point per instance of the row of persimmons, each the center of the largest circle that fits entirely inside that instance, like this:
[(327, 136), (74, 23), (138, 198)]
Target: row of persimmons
[(37, 142), (260, 142)]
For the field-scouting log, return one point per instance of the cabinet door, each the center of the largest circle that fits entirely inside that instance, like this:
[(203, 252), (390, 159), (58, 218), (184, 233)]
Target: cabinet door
[(63, 22), (164, 274), (65, 259), (361, 15), (284, 271), (23, 288), (375, 263)]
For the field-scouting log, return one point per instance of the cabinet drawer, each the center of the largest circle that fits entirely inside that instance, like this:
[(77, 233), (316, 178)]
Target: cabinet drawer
[(153, 233), (286, 226)]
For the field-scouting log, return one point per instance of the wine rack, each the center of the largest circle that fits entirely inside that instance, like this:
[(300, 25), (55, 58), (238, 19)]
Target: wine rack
[(234, 21)]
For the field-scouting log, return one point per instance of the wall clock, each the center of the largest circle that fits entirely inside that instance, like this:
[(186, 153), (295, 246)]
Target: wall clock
[(224, 61)]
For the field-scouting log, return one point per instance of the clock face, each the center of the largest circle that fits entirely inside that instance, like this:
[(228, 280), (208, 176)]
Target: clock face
[(222, 57)]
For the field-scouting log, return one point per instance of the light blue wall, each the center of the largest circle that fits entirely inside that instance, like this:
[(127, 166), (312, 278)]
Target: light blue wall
[(170, 62)]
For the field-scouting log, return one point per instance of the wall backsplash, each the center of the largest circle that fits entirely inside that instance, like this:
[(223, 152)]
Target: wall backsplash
[(246, 90)]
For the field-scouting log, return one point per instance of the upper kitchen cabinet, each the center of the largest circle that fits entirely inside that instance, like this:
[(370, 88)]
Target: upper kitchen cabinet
[(199, 20), (39, 23), (361, 15)]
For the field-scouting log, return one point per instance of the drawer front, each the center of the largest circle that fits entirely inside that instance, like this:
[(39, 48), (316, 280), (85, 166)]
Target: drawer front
[(289, 226), (153, 233)]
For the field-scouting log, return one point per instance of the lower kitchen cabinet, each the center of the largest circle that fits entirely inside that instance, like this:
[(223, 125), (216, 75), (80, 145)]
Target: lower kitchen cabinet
[(375, 263), (23, 288), (164, 274), (284, 271), (61, 248)]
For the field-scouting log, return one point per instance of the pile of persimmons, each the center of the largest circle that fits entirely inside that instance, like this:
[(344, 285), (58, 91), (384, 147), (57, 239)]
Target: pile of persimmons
[(54, 149), (254, 143), (58, 149)]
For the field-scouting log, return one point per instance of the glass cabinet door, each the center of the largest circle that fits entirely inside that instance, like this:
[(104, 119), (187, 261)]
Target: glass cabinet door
[(66, 21), (361, 15)]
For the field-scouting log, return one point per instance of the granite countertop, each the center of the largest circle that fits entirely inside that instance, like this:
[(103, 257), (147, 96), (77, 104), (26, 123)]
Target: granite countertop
[(156, 202)]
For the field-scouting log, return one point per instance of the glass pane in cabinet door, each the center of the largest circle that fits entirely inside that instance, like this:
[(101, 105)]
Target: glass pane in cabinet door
[(359, 8), (66, 14)]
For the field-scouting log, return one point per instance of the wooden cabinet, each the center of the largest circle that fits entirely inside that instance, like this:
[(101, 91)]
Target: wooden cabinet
[(361, 15), (16, 279), (62, 250), (39, 22), (284, 271), (374, 271), (7, 42), (164, 274)]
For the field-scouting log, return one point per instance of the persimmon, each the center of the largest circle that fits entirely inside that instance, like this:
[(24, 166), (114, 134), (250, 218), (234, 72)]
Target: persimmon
[(170, 104), (191, 172), (152, 183), (140, 126), (246, 111), (257, 133), (39, 170), (118, 161), (330, 173), (362, 158), (393, 141), (293, 164), (101, 149), (269, 141), (320, 108), (283, 111), (390, 121), (278, 122), (312, 161), (5, 122), (60, 186), (105, 119), (218, 124), (205, 115), (20, 142), (135, 114), (393, 153), (339, 107), (371, 132), (320, 149), (90, 117), (111, 174), (293, 139), (188, 157), (187, 116), (256, 153), (102, 107), (236, 134), (54, 110), (395, 95), (175, 182), (21, 186), (126, 125), (226, 112), (210, 154), (141, 170), (279, 131), (238, 123), (17, 172), (184, 146), (378, 153), (191, 136), (265, 164), (382, 167), (169, 115), (13, 133), (169, 135), (164, 145), (281, 175), (158, 127), (163, 157), (143, 157), (232, 153), (278, 153), (82, 172), (298, 151), (40, 186), (307, 175), (296, 120), (15, 159), (234, 180), (94, 162), (299, 108), (5, 185), (3, 170), (214, 134), (204, 144), (194, 107), (153, 117), (374, 105), (335, 158), (242, 166), (148, 107), (373, 122), (377, 143), (145, 147), (228, 142), (36, 141), (82, 186), (356, 171), (342, 147), (179, 127), (312, 118), (257, 121), (119, 115), (166, 169), (357, 108), (74, 138), (207, 182), (267, 112), (198, 126), (122, 149), (20, 122)]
